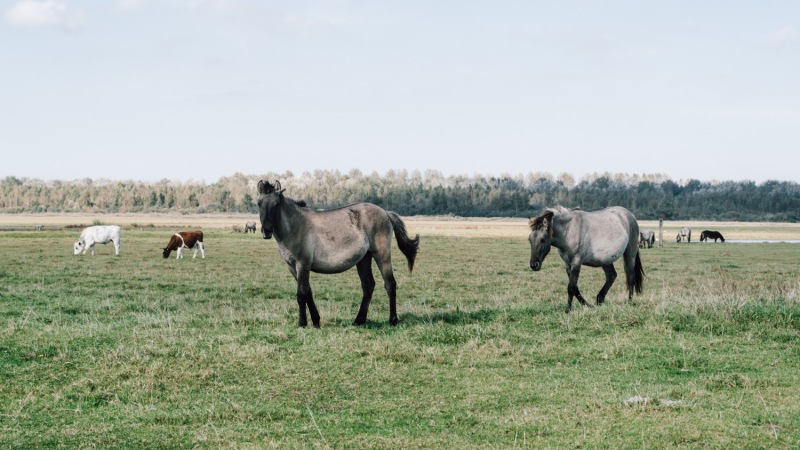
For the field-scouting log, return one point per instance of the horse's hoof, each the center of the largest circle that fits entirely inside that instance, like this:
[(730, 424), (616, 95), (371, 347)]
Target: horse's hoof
[(357, 323), (393, 321), (566, 311), (316, 325)]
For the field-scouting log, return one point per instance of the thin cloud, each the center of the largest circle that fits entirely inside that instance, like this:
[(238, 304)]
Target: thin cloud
[(297, 22), (49, 13), (780, 37), (130, 5)]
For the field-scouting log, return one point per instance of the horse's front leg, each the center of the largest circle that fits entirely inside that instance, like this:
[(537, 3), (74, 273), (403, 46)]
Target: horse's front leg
[(573, 271), (305, 298)]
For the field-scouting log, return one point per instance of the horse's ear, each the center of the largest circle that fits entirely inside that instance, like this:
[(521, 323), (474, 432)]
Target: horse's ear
[(548, 225), (530, 223), (261, 187), (277, 185)]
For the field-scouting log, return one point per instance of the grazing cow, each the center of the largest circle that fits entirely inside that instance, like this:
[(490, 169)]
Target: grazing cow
[(185, 239), (250, 226), (647, 237), (684, 233), (708, 234), (98, 235)]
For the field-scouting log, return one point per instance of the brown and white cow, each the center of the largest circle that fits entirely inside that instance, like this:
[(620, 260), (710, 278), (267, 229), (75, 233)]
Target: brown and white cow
[(185, 239)]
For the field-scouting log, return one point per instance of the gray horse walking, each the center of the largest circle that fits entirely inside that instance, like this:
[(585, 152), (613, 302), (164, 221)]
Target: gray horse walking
[(594, 239), (332, 242), (647, 237), (684, 233)]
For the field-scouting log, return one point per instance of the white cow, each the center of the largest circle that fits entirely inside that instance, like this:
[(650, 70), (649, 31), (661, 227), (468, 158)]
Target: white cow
[(98, 235)]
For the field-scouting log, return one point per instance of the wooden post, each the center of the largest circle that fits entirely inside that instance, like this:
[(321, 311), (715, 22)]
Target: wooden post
[(660, 233)]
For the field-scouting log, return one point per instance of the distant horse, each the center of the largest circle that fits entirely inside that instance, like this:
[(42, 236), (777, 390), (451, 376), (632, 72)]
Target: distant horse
[(250, 226), (101, 234), (594, 239), (185, 239), (684, 233), (647, 237), (707, 234), (332, 242)]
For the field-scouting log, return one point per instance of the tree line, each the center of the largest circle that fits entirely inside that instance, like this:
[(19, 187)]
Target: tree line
[(648, 196)]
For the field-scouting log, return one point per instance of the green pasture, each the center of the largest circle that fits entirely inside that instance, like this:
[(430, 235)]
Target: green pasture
[(141, 352)]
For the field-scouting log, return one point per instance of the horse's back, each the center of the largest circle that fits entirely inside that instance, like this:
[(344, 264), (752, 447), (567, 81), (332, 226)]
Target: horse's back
[(605, 235), (358, 218), (341, 237)]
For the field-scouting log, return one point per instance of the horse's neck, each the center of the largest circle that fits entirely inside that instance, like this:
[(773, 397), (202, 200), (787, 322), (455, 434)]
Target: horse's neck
[(561, 226), (290, 218)]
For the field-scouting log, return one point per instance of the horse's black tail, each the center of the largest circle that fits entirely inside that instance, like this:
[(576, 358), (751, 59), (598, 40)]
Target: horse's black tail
[(407, 245), (638, 277)]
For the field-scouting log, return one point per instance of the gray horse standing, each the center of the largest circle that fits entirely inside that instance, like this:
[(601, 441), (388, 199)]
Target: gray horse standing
[(332, 242), (647, 237), (684, 233), (594, 239)]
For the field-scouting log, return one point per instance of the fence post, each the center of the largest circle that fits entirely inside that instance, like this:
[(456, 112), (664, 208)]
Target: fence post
[(660, 233)]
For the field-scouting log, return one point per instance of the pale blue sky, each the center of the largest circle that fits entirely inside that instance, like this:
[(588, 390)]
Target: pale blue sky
[(146, 89)]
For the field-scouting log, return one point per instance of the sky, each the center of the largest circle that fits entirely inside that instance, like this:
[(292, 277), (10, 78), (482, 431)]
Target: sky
[(180, 89)]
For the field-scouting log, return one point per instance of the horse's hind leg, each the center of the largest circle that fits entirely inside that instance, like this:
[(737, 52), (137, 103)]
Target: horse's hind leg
[(367, 285), (611, 275), (384, 262)]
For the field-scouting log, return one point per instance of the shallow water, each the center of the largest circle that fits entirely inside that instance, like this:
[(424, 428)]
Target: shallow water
[(763, 241)]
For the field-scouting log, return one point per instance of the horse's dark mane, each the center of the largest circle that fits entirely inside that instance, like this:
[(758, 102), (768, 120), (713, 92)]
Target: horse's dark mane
[(300, 203), (265, 187), (538, 222), (341, 207)]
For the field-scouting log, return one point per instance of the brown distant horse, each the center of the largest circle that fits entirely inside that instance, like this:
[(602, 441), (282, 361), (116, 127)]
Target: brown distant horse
[(708, 234), (332, 242), (185, 239)]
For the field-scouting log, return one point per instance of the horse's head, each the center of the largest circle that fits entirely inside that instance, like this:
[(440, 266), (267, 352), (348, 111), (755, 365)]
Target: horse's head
[(541, 238), (79, 246), (166, 252), (269, 201), (678, 238)]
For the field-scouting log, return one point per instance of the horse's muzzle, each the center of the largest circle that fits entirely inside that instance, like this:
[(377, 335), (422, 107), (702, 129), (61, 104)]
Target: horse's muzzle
[(536, 266), (266, 234)]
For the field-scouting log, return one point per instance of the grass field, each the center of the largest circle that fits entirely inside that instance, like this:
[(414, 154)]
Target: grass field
[(137, 351)]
